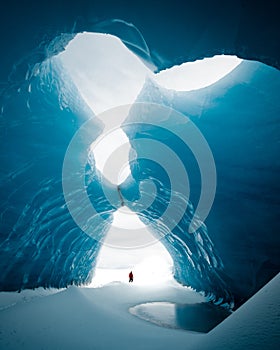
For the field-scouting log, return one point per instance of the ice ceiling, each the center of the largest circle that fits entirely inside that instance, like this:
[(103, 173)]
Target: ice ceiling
[(229, 256)]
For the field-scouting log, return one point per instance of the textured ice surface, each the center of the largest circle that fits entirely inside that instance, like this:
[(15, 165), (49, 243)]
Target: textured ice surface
[(229, 258), (239, 117)]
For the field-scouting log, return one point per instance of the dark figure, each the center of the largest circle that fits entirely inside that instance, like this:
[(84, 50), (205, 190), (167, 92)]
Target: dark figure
[(120, 195), (130, 276)]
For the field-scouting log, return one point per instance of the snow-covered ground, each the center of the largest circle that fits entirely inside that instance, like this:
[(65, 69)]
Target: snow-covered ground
[(92, 318), (98, 318), (255, 325)]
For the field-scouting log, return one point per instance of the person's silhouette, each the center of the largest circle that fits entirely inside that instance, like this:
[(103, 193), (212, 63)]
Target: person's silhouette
[(130, 276)]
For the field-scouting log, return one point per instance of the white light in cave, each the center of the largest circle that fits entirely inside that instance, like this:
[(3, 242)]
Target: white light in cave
[(151, 265), (118, 169), (198, 74), (107, 74)]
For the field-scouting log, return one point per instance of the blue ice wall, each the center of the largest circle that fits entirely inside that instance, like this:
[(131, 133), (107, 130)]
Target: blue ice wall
[(196, 260), (239, 117), (41, 245)]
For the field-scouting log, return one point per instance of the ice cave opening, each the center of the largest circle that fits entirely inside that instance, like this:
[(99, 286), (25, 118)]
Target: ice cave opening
[(60, 72), (107, 74), (151, 263), (118, 169)]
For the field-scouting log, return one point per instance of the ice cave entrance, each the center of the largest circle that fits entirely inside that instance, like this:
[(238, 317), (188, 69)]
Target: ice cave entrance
[(107, 74), (151, 263)]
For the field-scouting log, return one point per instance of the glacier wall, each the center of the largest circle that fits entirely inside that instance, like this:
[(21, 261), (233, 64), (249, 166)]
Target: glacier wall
[(239, 117), (40, 243)]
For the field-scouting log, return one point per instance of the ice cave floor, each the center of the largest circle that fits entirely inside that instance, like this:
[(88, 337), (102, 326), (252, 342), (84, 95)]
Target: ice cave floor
[(98, 318)]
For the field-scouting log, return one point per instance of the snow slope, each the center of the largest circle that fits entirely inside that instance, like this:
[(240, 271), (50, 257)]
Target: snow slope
[(255, 325), (99, 319), (92, 319)]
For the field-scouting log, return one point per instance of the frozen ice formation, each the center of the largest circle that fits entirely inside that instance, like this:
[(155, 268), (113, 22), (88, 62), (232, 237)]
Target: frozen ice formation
[(232, 253)]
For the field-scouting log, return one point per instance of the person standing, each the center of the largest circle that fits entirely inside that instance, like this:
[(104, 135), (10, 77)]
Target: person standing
[(130, 276)]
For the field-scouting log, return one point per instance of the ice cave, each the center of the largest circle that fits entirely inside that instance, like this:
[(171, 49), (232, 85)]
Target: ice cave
[(144, 137)]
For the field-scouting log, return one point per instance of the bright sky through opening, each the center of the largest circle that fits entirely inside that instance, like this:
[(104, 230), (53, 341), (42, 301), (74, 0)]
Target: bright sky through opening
[(119, 168), (151, 264), (107, 74), (196, 75)]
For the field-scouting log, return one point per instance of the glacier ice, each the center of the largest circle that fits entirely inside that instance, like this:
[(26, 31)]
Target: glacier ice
[(239, 118), (230, 257)]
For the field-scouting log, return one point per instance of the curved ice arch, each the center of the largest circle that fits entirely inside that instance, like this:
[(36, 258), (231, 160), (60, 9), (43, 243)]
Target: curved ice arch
[(192, 105)]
